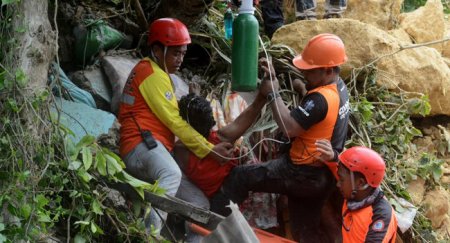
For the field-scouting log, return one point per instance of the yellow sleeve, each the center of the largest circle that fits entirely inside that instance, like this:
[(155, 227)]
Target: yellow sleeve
[(158, 93)]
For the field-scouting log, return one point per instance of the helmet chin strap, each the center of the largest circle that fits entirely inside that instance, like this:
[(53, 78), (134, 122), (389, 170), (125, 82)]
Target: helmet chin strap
[(354, 189), (164, 58), (153, 55), (165, 66), (167, 71)]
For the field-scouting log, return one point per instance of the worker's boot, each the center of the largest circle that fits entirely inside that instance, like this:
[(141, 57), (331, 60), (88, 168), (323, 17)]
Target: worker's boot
[(298, 18), (332, 16)]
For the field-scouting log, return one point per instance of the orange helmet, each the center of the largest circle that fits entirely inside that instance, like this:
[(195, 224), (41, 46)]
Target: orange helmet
[(324, 50), (168, 31), (365, 161)]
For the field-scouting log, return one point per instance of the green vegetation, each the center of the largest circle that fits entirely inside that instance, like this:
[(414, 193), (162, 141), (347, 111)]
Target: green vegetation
[(49, 186), (380, 118), (411, 5)]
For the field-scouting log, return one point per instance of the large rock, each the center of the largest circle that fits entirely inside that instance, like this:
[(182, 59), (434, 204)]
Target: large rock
[(447, 60), (425, 23), (443, 233), (401, 35), (446, 45), (380, 13), (416, 70), (95, 82), (437, 206), (416, 189), (445, 179)]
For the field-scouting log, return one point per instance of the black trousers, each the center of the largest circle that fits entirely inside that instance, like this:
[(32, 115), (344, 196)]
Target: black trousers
[(307, 188)]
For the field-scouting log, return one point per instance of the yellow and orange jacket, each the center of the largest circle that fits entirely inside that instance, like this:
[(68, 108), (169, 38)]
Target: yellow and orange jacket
[(149, 97)]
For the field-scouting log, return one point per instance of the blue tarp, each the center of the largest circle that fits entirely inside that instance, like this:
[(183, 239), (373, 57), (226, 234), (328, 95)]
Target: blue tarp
[(82, 119), (69, 90)]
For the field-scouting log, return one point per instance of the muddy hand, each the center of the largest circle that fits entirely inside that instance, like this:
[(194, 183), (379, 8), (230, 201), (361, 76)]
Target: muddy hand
[(222, 152), (194, 88), (325, 149), (270, 81)]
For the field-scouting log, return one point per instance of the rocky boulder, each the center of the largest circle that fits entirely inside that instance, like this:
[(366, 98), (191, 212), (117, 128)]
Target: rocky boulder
[(437, 206), (425, 24), (419, 69), (416, 189), (380, 13), (446, 45)]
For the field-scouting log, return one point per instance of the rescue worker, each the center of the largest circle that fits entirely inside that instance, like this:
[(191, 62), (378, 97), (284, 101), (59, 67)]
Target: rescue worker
[(150, 119), (367, 215), (322, 114)]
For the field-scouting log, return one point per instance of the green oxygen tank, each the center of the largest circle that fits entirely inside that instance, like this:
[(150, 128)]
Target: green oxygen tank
[(244, 50)]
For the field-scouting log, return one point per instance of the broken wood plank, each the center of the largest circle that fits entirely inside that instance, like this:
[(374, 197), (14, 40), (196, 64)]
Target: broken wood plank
[(174, 206)]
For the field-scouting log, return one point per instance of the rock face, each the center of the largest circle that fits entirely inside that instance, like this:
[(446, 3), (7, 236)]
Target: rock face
[(416, 70), (95, 82), (437, 207), (380, 13), (401, 35), (416, 190), (425, 24), (446, 45)]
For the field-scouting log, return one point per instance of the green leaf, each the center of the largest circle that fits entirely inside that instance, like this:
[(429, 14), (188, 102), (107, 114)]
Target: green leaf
[(12, 104), (419, 105), (133, 181), (2, 238), (79, 239), (87, 157), (21, 78), (437, 172), (2, 227), (101, 163), (95, 228), (115, 156), (97, 207), (74, 194), (379, 140), (41, 201), (113, 166), (74, 165), (2, 79), (85, 141), (365, 108), (6, 2), (44, 217), (140, 192), (85, 176), (25, 210), (70, 148), (139, 185)]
